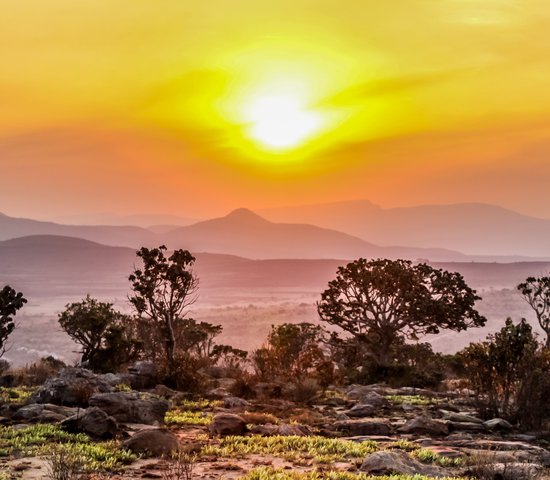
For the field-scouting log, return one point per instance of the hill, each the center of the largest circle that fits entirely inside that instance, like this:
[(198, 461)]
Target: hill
[(247, 234), (471, 228), (127, 236)]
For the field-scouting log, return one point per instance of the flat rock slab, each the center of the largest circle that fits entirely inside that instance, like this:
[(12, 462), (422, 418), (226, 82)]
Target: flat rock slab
[(355, 428), (397, 462)]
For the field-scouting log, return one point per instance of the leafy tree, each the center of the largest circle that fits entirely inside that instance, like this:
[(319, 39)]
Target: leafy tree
[(294, 352), (379, 301), (499, 367), (163, 290), (105, 334), (536, 292), (10, 302)]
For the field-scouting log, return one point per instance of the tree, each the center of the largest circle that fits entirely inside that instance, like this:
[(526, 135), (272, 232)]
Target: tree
[(536, 292), (105, 334), (294, 351), (379, 301), (10, 302), (163, 290), (501, 369)]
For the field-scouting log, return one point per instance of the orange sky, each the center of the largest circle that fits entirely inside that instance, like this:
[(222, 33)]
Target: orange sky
[(133, 106)]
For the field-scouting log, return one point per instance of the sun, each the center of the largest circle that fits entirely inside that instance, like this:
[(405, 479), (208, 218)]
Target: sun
[(280, 122)]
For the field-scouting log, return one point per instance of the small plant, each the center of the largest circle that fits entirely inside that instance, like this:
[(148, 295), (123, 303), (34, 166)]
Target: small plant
[(410, 399), (62, 465), (426, 455), (264, 473), (122, 387), (320, 449), (181, 467), (186, 417)]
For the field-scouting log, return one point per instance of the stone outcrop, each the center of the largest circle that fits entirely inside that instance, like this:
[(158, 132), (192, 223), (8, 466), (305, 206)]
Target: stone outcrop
[(131, 407)]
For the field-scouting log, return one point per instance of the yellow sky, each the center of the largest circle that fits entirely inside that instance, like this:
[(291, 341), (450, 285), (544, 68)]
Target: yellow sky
[(140, 106)]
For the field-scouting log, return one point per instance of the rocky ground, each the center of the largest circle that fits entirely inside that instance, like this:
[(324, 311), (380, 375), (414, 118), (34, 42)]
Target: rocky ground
[(125, 426)]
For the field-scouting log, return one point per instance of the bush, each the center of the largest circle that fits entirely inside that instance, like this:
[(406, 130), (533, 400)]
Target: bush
[(38, 372), (295, 352), (509, 373)]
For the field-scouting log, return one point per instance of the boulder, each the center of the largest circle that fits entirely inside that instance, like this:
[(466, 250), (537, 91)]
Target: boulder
[(498, 424), (466, 427), (387, 462), (152, 441), (425, 426), (355, 428), (43, 413), (143, 374), (266, 430), (93, 422), (227, 424), (460, 417), (131, 407), (375, 399), (499, 471), (294, 430), (235, 402), (72, 387), (361, 411)]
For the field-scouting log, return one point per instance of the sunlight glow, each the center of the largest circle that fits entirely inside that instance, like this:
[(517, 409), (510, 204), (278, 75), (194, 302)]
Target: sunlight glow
[(281, 122)]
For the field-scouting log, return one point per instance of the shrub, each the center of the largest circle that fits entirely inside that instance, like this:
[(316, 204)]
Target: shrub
[(509, 374)]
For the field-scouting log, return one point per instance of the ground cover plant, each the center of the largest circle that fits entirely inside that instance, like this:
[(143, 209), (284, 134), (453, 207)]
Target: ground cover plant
[(320, 449), (275, 474), (45, 439)]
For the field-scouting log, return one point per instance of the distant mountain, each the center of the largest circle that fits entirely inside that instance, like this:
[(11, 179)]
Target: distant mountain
[(126, 236), (53, 265), (247, 234), (471, 228), (139, 220)]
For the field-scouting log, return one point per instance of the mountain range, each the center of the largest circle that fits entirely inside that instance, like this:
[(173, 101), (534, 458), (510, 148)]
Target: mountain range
[(241, 233), (472, 228), (347, 230)]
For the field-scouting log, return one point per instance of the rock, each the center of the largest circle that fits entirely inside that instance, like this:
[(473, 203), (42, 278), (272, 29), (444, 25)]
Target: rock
[(165, 392), (227, 424), (361, 411), (153, 441), (235, 402), (267, 390), (355, 428), (397, 462), (444, 451), (375, 399), (466, 427), (500, 471), (72, 387), (358, 392), (43, 413), (131, 407), (460, 417), (336, 402), (266, 430), (143, 374), (424, 426), (498, 424), (287, 430), (93, 422)]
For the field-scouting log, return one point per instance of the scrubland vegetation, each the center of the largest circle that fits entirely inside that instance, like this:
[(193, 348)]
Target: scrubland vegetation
[(299, 398)]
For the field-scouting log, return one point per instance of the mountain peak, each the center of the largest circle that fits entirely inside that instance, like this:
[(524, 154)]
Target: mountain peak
[(244, 215)]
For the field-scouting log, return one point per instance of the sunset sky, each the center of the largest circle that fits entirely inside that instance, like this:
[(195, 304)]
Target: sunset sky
[(195, 108)]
